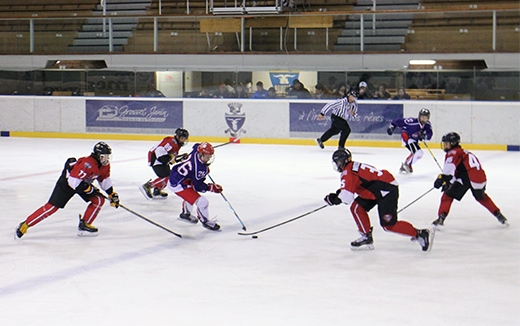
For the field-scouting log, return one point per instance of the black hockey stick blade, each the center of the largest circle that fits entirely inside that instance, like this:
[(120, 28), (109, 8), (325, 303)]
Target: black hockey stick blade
[(150, 221), (227, 143), (282, 223)]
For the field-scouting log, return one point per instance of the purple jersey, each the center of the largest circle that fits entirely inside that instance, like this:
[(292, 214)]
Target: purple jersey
[(191, 171), (413, 128)]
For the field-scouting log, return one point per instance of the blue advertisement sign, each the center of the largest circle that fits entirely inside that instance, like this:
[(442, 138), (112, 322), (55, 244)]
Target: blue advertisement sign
[(129, 116), (371, 118)]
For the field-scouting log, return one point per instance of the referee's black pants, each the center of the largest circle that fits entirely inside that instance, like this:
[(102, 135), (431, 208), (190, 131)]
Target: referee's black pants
[(338, 125)]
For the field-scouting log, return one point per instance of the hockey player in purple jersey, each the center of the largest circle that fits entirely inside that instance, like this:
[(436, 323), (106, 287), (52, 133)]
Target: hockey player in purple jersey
[(413, 130), (187, 180)]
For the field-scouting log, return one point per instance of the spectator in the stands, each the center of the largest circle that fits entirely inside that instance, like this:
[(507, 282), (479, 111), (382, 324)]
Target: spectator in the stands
[(364, 92), (401, 94), (322, 92), (298, 90), (261, 92), (342, 90), (382, 93), (205, 93), (272, 93), (151, 91), (222, 91), (240, 91)]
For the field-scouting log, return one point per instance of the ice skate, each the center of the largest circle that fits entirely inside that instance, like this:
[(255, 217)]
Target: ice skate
[(146, 190), (439, 222), (320, 143), (365, 242), (158, 193), (425, 239), (211, 225), (501, 218), (405, 168), (21, 230), (86, 230), (187, 217)]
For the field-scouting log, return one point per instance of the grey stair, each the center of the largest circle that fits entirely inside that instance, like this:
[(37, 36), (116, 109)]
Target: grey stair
[(379, 24), (100, 41), (379, 2), (94, 35), (383, 17), (367, 47), (370, 31), (371, 40), (98, 34), (94, 48)]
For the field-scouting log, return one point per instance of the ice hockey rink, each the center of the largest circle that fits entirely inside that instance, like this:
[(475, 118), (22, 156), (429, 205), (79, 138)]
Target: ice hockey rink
[(301, 273)]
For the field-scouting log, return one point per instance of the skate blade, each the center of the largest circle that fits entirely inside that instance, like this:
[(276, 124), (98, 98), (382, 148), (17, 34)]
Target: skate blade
[(363, 248), (82, 233), (188, 221), (141, 189), (432, 237)]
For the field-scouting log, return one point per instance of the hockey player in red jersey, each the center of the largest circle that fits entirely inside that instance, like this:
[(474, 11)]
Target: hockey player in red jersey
[(159, 158), (77, 178), (373, 187), (462, 171)]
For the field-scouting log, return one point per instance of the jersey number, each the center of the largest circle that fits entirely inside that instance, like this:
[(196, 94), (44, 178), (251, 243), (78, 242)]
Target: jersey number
[(184, 168), (473, 161)]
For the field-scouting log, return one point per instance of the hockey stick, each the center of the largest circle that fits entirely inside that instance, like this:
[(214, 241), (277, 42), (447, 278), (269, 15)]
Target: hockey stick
[(150, 221), (425, 144), (416, 199), (227, 201), (229, 142), (280, 224), (144, 218)]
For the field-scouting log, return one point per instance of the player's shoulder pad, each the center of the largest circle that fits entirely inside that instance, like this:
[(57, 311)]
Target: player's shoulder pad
[(356, 166)]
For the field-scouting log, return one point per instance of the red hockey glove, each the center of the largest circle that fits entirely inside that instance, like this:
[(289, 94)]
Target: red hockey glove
[(216, 188)]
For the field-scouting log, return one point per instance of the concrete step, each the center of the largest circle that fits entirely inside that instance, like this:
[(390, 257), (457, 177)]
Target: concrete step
[(100, 34), (382, 2), (371, 40), (122, 6), (367, 47), (371, 32), (115, 20), (119, 12), (99, 41), (387, 7), (115, 27), (94, 48), (379, 24), (397, 17)]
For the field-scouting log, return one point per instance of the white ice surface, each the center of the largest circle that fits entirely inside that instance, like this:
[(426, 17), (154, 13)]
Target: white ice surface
[(301, 273)]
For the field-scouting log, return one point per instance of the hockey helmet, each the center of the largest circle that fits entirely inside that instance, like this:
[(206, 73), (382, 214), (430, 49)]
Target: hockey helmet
[(424, 113), (353, 92), (451, 138), (206, 153), (180, 132), (102, 152), (340, 158)]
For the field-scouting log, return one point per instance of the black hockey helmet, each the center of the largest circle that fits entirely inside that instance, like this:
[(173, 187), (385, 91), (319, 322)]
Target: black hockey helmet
[(452, 138), (353, 92), (102, 152), (180, 132), (340, 158), (424, 112)]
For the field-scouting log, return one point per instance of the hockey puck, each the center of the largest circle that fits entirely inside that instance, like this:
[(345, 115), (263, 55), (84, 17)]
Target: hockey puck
[(255, 237)]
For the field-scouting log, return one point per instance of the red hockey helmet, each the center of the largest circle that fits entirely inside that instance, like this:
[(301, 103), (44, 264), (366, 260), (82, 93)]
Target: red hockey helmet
[(206, 153)]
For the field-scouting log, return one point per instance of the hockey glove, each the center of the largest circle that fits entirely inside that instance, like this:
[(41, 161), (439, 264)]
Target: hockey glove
[(178, 158), (332, 199), (422, 135), (443, 180), (216, 188), (114, 199), (390, 130)]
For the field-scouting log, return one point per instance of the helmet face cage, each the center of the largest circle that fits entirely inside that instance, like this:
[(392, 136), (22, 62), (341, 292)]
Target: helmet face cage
[(424, 113), (206, 153), (452, 138), (103, 152), (180, 132), (340, 158)]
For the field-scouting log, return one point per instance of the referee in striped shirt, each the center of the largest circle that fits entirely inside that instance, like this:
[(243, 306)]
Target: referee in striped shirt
[(342, 110)]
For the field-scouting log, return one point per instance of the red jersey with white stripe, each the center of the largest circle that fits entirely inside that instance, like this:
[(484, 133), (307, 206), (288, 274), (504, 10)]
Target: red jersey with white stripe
[(366, 181), (463, 164), (167, 146), (87, 169)]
